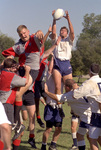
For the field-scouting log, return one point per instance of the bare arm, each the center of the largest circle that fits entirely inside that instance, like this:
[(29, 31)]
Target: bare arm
[(46, 35), (71, 34), (50, 67), (27, 70), (53, 26), (50, 50)]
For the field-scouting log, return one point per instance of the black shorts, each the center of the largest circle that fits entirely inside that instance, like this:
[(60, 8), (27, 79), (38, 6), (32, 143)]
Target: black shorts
[(28, 98), (52, 117), (39, 89), (9, 109)]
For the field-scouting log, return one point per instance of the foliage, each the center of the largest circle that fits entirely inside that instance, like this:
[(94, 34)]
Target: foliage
[(48, 44), (5, 42), (88, 45)]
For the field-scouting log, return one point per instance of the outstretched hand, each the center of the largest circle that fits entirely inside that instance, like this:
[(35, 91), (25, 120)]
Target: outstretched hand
[(39, 34), (53, 12), (67, 14)]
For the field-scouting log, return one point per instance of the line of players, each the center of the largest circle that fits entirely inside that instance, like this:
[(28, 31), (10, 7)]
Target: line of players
[(29, 49)]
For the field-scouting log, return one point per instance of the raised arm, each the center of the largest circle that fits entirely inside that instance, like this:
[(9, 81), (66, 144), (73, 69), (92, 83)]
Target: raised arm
[(46, 35), (50, 50), (71, 34), (53, 26)]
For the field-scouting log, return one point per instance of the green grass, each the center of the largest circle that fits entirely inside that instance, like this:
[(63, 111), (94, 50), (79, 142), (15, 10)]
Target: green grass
[(65, 140)]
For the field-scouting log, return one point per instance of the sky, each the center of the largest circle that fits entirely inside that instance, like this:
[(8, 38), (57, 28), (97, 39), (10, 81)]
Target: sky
[(37, 14)]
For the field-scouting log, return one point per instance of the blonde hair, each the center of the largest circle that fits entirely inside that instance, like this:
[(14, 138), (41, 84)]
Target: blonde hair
[(19, 28)]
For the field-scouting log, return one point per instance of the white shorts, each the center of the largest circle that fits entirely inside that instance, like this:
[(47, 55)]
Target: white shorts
[(75, 118), (94, 132), (3, 117), (82, 131), (83, 128)]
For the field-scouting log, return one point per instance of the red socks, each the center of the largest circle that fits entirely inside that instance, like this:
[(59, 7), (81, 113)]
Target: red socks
[(1, 145)]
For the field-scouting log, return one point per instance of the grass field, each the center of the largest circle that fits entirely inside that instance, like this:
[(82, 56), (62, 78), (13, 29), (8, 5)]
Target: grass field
[(65, 139)]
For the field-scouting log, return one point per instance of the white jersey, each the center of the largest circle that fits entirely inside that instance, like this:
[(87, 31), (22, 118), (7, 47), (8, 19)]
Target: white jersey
[(80, 107), (64, 48), (51, 87), (3, 117), (92, 90)]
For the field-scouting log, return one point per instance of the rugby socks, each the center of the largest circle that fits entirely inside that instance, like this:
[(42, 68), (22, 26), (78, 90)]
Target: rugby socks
[(43, 147), (38, 117), (1, 145), (16, 144), (53, 143), (17, 108), (81, 145), (74, 139), (31, 136)]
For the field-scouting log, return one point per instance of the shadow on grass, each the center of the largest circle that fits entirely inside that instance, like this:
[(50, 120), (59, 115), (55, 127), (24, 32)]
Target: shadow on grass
[(24, 148), (62, 132)]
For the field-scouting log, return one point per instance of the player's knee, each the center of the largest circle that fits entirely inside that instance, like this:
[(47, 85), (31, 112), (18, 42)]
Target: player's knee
[(5, 127)]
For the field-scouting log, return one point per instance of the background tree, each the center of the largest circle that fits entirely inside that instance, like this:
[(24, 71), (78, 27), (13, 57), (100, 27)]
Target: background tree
[(5, 42), (88, 45)]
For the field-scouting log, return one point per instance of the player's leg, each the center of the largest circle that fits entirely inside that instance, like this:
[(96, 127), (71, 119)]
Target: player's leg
[(94, 133), (94, 144), (24, 113), (99, 140), (58, 127), (1, 145), (38, 91), (31, 113), (82, 130), (29, 102), (18, 101), (48, 117), (5, 130), (16, 140), (56, 134), (45, 137), (57, 81), (74, 125)]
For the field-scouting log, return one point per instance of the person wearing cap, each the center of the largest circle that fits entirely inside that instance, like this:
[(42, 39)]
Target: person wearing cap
[(92, 90)]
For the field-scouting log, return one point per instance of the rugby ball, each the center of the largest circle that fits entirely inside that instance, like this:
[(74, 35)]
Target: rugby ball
[(59, 13)]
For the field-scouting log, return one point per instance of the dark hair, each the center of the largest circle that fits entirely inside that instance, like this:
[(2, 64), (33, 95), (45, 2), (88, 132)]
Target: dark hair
[(64, 28), (69, 83), (95, 68), (19, 28), (9, 62)]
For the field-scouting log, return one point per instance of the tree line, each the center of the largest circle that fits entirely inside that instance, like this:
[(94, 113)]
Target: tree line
[(88, 45)]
